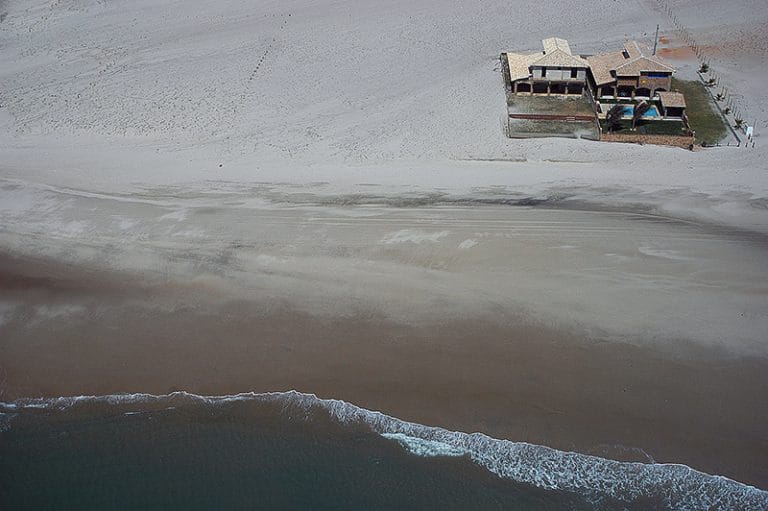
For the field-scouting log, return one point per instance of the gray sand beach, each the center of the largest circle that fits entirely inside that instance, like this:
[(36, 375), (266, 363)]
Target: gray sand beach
[(622, 335)]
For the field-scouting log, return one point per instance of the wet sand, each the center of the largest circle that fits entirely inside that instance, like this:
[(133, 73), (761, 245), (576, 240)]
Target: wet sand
[(506, 376)]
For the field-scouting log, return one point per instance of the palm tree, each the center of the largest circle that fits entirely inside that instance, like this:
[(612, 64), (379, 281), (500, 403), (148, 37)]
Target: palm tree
[(639, 111), (613, 117)]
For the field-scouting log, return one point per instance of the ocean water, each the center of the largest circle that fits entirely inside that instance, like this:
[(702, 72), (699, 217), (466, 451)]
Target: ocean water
[(294, 451)]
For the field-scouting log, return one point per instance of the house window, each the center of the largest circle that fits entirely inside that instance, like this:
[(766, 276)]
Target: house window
[(574, 72), (543, 72)]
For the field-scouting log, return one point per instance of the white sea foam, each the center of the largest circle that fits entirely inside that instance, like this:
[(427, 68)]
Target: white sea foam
[(678, 486), (422, 447)]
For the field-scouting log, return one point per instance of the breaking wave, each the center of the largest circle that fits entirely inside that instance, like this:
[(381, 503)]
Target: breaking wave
[(678, 487), (422, 447)]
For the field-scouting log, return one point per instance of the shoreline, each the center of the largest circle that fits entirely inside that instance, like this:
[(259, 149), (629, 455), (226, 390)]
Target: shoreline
[(518, 380), (637, 484)]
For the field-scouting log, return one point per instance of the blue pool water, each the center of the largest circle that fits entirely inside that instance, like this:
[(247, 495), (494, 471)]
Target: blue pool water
[(652, 112)]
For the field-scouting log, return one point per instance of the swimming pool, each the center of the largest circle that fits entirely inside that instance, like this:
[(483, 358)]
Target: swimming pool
[(629, 109), (652, 112)]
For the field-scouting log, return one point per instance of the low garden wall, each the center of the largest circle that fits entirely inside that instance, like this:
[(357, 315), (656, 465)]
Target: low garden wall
[(553, 117), (686, 142)]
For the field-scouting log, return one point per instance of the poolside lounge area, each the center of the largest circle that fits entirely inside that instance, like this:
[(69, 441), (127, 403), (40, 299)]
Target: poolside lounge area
[(663, 106), (629, 109)]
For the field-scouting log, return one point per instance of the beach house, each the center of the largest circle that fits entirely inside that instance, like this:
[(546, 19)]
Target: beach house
[(556, 70), (633, 72)]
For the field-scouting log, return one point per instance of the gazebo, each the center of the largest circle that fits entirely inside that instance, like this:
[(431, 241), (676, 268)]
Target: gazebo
[(672, 104)]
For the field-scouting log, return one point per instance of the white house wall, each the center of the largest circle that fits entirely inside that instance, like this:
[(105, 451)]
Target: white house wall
[(559, 73)]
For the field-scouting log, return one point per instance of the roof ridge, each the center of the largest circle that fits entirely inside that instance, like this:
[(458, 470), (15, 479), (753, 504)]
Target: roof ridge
[(634, 60), (564, 57)]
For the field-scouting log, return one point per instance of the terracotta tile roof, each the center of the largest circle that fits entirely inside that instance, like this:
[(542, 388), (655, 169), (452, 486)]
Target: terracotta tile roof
[(559, 58), (636, 49), (635, 58), (518, 65), (552, 44), (557, 53), (634, 67), (601, 66), (672, 99)]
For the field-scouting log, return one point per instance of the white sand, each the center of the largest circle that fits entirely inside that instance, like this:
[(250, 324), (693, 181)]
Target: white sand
[(115, 97)]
